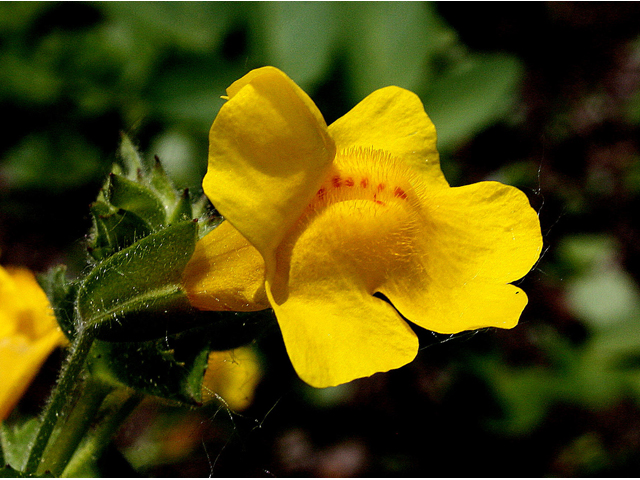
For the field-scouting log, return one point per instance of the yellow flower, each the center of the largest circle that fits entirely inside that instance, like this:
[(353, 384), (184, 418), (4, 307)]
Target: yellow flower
[(28, 334), (233, 376), (350, 230)]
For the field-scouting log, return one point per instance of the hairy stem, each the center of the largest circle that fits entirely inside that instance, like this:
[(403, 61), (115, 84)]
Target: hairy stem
[(72, 430), (116, 408), (60, 398)]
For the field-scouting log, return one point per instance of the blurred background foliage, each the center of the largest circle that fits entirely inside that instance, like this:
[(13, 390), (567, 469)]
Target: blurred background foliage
[(543, 96)]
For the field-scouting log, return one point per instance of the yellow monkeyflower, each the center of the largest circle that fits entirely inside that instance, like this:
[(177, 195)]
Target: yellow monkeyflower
[(233, 376), (349, 231), (28, 334)]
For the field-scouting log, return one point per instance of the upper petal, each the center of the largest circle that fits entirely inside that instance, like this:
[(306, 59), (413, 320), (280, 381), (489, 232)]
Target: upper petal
[(236, 86), (225, 272), (269, 150), (392, 119), (469, 244)]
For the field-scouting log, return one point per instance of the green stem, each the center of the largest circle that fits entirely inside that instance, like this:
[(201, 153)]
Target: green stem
[(70, 432), (118, 406), (60, 397)]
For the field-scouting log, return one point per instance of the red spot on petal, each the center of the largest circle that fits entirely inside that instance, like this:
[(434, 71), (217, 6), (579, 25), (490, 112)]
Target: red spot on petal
[(321, 193), (380, 202), (336, 181), (400, 193), (380, 187), (364, 183), (349, 182)]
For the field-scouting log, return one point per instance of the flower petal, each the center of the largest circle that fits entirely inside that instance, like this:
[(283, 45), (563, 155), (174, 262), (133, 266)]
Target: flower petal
[(333, 327), (28, 333), (20, 361), (23, 298), (236, 86), (333, 337), (474, 240), (392, 119), (225, 272), (269, 151), (232, 375)]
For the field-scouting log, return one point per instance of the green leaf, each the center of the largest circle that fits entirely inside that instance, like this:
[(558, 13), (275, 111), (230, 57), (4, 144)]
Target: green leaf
[(67, 158), (136, 198), (604, 297), (599, 291), (391, 43), (300, 37), (25, 80), (192, 26), (138, 291), (191, 96), (472, 96), (16, 17)]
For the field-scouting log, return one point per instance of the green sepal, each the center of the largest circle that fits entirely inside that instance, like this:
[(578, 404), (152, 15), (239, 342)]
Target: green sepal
[(162, 184), (114, 229), (182, 210), (100, 245), (208, 217), (16, 442), (129, 156), (136, 198), (61, 294), (137, 292), (171, 367)]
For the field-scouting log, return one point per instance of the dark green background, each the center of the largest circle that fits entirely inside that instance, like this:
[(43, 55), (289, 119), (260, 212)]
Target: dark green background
[(545, 97)]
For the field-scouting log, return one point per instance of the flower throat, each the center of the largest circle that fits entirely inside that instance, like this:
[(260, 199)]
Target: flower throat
[(365, 174)]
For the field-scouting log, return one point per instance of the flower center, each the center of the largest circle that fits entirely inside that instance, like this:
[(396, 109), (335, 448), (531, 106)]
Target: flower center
[(359, 226)]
